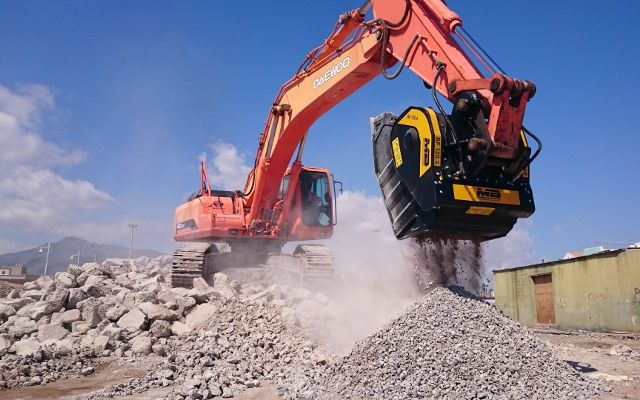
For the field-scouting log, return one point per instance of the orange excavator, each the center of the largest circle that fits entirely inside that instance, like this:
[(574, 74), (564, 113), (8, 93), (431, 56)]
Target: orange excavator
[(463, 175)]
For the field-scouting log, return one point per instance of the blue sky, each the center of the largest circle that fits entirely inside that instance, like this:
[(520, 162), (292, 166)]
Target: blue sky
[(116, 101)]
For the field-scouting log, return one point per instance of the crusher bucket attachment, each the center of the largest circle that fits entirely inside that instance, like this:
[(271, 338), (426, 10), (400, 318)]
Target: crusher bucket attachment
[(426, 192)]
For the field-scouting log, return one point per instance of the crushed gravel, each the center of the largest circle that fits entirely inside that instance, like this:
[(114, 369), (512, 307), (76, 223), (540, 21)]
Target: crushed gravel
[(448, 345)]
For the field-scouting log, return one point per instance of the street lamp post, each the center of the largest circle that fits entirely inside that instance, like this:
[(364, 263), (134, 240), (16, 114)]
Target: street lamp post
[(46, 263), (93, 246), (132, 226), (77, 257)]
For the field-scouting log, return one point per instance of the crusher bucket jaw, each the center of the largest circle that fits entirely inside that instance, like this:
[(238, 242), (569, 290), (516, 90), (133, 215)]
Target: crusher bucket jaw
[(438, 185)]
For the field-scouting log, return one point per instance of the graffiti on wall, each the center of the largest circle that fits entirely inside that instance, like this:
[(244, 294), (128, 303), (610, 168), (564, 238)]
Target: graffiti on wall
[(596, 296), (636, 297)]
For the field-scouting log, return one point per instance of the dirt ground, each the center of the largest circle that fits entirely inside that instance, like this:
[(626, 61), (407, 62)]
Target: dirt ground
[(113, 373), (587, 352)]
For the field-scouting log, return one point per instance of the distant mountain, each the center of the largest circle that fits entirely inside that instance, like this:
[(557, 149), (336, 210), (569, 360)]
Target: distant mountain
[(61, 252)]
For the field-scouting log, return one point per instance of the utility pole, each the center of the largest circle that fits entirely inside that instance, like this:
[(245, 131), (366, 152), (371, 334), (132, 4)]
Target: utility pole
[(132, 226)]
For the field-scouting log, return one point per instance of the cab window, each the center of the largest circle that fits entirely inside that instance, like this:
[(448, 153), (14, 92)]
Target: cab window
[(316, 198)]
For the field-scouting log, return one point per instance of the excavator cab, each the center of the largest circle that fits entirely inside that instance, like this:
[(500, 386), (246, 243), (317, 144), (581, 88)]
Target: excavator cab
[(315, 198), (437, 185), (312, 211)]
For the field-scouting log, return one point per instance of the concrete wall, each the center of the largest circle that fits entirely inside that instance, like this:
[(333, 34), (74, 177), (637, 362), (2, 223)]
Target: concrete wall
[(599, 292)]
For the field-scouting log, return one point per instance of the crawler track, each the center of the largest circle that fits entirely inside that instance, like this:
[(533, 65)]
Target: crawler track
[(188, 263)]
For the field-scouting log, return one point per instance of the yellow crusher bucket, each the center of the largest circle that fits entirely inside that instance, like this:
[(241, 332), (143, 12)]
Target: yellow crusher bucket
[(427, 194)]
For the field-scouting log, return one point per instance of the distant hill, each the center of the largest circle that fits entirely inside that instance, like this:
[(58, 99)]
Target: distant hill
[(60, 255)]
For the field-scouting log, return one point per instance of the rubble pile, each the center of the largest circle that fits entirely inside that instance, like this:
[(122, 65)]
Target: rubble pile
[(8, 287), (446, 346), (54, 327), (207, 341)]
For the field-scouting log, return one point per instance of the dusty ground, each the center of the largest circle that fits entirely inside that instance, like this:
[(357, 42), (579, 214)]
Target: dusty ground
[(112, 373), (588, 352)]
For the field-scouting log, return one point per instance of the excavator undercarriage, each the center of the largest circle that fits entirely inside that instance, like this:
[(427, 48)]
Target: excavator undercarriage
[(265, 263)]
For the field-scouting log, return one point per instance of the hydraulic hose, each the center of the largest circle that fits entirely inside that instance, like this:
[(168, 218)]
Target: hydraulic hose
[(446, 118), (385, 41), (539, 142)]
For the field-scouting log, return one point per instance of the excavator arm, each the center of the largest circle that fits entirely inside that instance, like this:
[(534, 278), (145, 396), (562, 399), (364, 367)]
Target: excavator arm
[(481, 141)]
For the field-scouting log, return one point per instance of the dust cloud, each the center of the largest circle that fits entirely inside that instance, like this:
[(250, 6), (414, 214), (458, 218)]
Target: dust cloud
[(378, 276)]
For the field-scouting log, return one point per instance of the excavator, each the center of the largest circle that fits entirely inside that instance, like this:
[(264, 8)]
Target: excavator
[(458, 175)]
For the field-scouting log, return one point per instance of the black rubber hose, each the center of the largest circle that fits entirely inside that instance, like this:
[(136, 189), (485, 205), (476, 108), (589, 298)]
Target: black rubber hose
[(404, 59), (385, 41), (446, 117), (528, 132)]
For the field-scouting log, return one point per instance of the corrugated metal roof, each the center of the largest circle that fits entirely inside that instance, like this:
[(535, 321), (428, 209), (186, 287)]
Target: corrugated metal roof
[(605, 253)]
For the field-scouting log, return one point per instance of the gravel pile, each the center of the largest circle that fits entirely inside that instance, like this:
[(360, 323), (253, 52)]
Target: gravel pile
[(446, 346)]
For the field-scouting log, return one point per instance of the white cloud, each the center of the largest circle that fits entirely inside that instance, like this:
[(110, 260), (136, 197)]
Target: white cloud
[(33, 197), (26, 103), (228, 168), (514, 250), (33, 200)]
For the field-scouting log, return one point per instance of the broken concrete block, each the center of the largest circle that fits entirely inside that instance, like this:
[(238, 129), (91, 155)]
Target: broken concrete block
[(56, 300), (25, 347), (76, 295), (157, 312), (70, 316), (224, 286), (65, 280), (201, 315), (52, 331), (43, 281), (100, 343), (180, 329), (114, 313), (160, 329), (134, 320)]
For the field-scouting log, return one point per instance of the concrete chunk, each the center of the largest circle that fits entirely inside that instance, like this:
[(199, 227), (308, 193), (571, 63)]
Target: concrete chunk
[(65, 280), (52, 331), (158, 312), (141, 345), (201, 315), (180, 329), (134, 319), (70, 316)]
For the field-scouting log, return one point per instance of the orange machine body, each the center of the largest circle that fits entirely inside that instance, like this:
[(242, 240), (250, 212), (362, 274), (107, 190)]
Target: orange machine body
[(307, 194)]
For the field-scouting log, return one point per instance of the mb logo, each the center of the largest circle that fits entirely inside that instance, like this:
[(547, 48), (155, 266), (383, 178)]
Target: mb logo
[(488, 194)]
